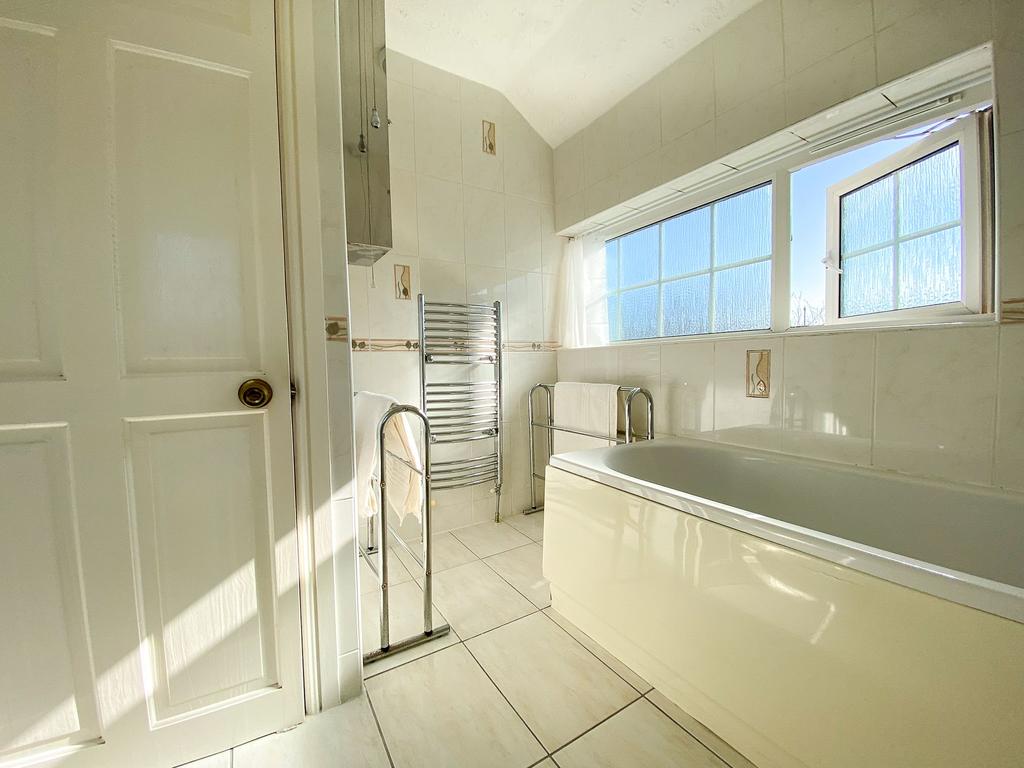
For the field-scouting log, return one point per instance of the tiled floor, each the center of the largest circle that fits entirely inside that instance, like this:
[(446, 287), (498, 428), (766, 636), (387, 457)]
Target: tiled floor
[(513, 686)]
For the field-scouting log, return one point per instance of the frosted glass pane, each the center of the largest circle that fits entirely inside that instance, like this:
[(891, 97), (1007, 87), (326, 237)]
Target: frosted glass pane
[(687, 243), (639, 253), (611, 264), (930, 191), (639, 313), (684, 306), (866, 283), (866, 216), (743, 226), (930, 269), (613, 317), (742, 298)]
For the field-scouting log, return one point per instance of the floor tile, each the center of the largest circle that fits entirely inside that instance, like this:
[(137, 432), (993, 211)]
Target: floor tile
[(475, 599), (397, 573), (347, 730), (621, 669), (554, 683), (528, 525), (220, 760), (442, 710), (699, 731), (521, 567), (639, 735), (486, 539), (406, 609), (449, 552)]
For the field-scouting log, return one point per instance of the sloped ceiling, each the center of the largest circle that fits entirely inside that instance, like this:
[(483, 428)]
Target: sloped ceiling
[(562, 63)]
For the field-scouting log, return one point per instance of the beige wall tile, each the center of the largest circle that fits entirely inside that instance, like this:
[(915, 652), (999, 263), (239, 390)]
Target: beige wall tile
[(687, 93), (404, 211), (485, 285), (741, 420), (485, 226), (828, 394), (523, 234), (1010, 427), (437, 81), (752, 120), (814, 30), (637, 124), (399, 68), (572, 365), (599, 150), (401, 136), (687, 405), (689, 152), (525, 297), (1010, 202), (479, 168), (527, 162), (568, 167), (443, 280), (438, 136), (748, 55), (841, 76), (935, 398), (440, 215), (569, 211), (1008, 20)]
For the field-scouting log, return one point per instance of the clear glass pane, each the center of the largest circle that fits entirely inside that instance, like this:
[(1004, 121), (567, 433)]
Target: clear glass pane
[(743, 298), (866, 283), (687, 243), (743, 226), (930, 269), (639, 313), (639, 253), (684, 306), (613, 317), (611, 264), (866, 216), (930, 191)]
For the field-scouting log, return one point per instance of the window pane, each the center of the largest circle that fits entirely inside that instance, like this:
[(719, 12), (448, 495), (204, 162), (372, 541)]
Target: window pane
[(866, 216), (639, 313), (743, 226), (930, 269), (613, 317), (930, 191), (688, 243), (866, 283), (611, 264), (742, 298), (684, 306), (639, 254)]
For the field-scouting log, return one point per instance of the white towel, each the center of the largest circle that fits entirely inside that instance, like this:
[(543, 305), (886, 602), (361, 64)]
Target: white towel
[(405, 492), (588, 408)]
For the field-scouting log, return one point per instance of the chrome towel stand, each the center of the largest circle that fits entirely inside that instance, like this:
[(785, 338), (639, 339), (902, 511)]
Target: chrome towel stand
[(626, 436), (388, 648), (468, 410)]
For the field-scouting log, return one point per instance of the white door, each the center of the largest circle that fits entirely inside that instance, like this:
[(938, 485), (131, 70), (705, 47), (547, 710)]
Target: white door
[(148, 590)]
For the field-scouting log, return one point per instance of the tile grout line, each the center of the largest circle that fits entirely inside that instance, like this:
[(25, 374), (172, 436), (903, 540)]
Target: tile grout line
[(695, 737), (598, 724), (380, 731)]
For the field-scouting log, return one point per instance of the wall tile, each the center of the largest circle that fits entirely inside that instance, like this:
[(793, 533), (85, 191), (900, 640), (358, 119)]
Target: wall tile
[(601, 365), (552, 246), (753, 120), (741, 420), (637, 124), (485, 227), (687, 404), (689, 152), (599, 150), (358, 302), (401, 136), (748, 55), (485, 285), (569, 211), (1008, 20), (436, 81), (603, 195), (392, 373), (527, 164), (1010, 428), (687, 93), (392, 318), (404, 216), (568, 167), (438, 136), (525, 296), (1010, 202), (814, 30), (942, 29), (443, 280), (572, 365), (441, 234), (828, 393), (550, 288), (480, 169), (399, 68), (935, 395), (523, 234), (841, 76)]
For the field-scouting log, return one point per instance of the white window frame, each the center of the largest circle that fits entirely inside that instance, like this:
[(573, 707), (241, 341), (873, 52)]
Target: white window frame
[(966, 133)]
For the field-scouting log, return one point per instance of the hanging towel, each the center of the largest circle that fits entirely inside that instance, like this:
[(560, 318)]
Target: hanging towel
[(405, 491), (588, 408)]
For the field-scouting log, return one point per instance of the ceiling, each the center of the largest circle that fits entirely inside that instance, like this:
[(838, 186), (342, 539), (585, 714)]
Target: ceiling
[(562, 63)]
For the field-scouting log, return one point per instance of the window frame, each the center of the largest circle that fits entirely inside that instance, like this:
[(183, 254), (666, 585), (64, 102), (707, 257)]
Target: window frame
[(966, 132)]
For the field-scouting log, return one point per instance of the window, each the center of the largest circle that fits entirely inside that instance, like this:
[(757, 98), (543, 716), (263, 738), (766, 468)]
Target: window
[(899, 237), (707, 270)]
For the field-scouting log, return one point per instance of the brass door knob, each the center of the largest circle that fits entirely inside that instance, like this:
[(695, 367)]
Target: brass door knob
[(255, 393)]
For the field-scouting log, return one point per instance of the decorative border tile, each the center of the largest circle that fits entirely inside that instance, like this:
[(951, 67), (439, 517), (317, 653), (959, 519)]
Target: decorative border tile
[(336, 327), (1013, 310), (532, 346), (413, 345)]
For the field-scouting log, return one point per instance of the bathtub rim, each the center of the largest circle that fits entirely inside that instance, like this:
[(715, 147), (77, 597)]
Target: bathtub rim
[(980, 593)]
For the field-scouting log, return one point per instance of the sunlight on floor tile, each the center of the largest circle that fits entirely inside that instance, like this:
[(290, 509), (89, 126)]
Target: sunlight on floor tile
[(521, 567), (486, 539), (621, 669), (475, 599)]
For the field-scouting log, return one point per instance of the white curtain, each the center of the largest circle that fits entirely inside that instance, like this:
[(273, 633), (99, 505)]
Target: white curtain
[(583, 311)]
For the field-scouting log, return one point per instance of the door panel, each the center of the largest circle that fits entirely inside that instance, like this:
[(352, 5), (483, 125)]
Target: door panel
[(152, 575)]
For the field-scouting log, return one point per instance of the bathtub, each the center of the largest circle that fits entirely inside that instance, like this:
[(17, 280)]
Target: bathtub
[(810, 614)]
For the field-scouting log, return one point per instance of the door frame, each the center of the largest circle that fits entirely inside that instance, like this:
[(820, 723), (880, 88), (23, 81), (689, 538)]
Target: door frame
[(304, 277)]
